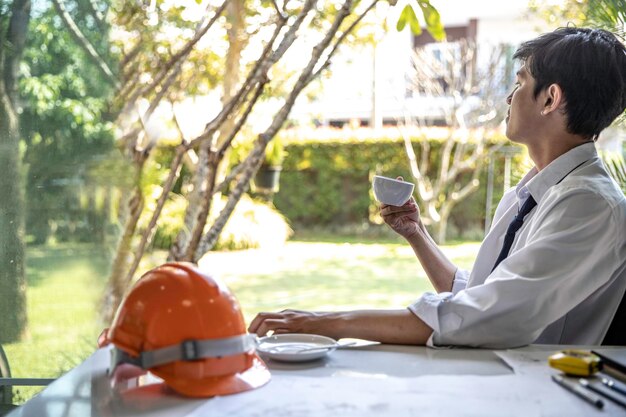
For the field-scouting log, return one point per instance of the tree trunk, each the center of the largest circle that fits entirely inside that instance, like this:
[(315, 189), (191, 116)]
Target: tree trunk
[(123, 255), (442, 225), (12, 277), (13, 320), (211, 166)]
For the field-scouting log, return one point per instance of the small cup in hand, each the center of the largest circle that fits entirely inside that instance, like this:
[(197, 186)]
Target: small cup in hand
[(391, 191)]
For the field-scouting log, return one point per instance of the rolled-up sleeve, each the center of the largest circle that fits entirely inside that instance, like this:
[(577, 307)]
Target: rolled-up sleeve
[(460, 280), (561, 264), (426, 306)]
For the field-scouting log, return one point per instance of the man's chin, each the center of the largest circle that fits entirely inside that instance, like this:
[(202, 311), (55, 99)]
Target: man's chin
[(510, 134)]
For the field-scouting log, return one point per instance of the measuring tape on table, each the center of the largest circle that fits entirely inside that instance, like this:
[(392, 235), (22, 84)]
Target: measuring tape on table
[(575, 362)]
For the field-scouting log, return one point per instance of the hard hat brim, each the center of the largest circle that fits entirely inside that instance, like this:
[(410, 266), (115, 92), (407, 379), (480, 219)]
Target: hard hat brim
[(254, 377)]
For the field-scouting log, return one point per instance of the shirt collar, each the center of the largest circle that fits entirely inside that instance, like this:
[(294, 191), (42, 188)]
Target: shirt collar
[(537, 183)]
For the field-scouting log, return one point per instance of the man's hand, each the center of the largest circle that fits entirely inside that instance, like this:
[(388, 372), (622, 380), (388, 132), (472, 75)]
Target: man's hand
[(293, 321), (404, 220)]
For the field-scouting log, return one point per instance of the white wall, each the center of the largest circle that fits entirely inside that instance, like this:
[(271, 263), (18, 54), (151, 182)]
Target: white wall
[(348, 92)]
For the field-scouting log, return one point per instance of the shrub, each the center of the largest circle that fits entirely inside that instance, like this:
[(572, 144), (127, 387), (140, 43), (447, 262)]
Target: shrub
[(253, 224), (326, 178)]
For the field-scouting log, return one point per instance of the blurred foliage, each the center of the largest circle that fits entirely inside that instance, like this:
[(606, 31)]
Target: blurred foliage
[(151, 33), (607, 14), (71, 113), (610, 14), (66, 129), (327, 182), (275, 153), (253, 224), (615, 163)]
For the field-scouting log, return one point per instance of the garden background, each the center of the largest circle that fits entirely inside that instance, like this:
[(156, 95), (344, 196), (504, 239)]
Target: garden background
[(94, 194)]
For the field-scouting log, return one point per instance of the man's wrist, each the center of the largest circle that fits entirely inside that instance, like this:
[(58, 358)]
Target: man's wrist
[(420, 233), (335, 323)]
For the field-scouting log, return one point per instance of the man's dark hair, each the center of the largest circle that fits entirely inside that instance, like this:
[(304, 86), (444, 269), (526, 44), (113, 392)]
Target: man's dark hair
[(590, 67)]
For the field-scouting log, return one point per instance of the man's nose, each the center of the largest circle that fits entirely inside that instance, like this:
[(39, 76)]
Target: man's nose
[(508, 99)]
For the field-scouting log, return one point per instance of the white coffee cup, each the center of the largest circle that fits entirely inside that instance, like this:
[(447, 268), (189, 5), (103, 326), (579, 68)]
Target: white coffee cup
[(391, 191)]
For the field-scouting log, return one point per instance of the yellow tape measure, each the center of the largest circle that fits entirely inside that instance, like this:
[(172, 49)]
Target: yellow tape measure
[(575, 362)]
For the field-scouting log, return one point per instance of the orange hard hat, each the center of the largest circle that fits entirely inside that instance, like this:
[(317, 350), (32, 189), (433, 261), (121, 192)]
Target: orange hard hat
[(186, 327)]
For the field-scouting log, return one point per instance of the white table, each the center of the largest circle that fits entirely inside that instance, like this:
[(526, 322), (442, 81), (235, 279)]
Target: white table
[(383, 380)]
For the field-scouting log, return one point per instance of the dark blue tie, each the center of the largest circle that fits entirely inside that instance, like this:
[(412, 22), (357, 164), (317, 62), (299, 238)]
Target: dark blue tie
[(514, 226)]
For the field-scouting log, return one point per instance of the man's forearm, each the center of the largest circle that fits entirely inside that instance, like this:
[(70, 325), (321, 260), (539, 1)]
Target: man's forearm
[(439, 269), (385, 326)]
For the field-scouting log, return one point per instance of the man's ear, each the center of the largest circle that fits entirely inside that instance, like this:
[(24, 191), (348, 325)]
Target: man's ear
[(553, 99)]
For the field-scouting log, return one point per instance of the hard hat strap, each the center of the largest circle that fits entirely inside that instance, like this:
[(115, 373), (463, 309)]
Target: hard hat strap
[(188, 350)]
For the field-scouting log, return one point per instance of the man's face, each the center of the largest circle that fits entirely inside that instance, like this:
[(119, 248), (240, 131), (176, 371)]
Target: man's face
[(524, 115)]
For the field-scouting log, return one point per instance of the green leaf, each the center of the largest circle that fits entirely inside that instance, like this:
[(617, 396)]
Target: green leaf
[(433, 20), (408, 16), (416, 28), (402, 19)]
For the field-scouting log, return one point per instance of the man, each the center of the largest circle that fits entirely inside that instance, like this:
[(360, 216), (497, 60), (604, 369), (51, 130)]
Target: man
[(560, 275)]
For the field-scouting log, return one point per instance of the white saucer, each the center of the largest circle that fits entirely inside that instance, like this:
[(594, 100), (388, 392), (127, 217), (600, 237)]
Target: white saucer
[(290, 347)]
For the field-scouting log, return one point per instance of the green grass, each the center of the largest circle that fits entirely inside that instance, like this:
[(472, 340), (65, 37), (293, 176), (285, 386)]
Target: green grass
[(328, 275), (65, 284)]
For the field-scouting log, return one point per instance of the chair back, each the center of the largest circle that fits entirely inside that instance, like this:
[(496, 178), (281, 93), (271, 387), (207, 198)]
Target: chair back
[(616, 336)]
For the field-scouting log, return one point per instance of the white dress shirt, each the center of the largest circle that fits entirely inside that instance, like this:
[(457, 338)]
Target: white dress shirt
[(565, 274)]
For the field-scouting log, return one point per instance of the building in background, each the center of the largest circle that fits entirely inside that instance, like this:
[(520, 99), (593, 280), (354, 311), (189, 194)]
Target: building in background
[(369, 85)]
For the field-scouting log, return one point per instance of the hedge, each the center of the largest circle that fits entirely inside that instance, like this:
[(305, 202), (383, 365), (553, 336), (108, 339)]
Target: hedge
[(326, 180)]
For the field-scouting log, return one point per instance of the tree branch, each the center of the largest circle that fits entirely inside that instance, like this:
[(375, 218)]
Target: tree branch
[(195, 200), (148, 233), (84, 43), (280, 13), (242, 120), (203, 187), (254, 159), (132, 139), (116, 289), (260, 70), (164, 89), (422, 182), (190, 159), (341, 38), (215, 158), (15, 44), (97, 14), (179, 56), (231, 176), (128, 58)]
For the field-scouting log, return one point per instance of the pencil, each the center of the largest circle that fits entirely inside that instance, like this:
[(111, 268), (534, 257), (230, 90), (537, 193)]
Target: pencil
[(611, 384), (606, 392), (579, 390)]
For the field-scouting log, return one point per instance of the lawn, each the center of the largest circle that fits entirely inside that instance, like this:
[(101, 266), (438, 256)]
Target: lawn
[(65, 283), (327, 275)]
